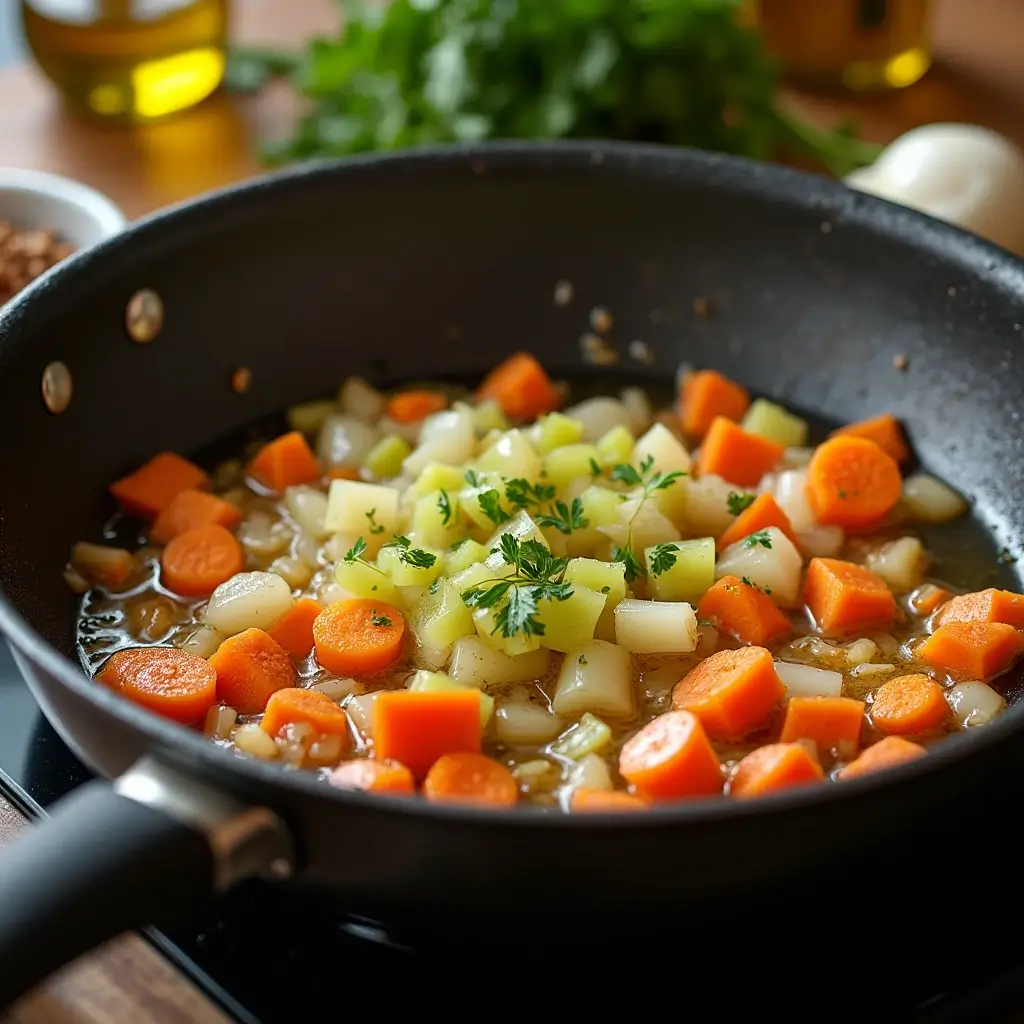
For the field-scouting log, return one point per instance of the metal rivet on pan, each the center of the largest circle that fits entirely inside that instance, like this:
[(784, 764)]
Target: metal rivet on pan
[(144, 316), (56, 387), (241, 379)]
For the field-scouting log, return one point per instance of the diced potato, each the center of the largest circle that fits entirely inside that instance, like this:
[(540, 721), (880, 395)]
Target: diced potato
[(590, 772), (523, 528), (599, 415), (476, 664), (350, 502), (569, 624), (360, 399), (692, 575), (643, 523), (601, 506), (974, 704), (384, 460), (615, 448), (488, 416), (308, 507), (707, 505), (308, 417), (438, 477), (525, 723), (392, 560), (438, 682), (428, 520), (930, 500), (807, 681), (589, 736), (448, 437), (901, 563), (362, 580), (563, 465), (440, 618), (486, 622), (360, 712), (597, 677), (470, 577), (608, 578), (775, 569), (462, 557), (512, 456), (220, 722), (247, 600), (555, 431), (669, 455), (655, 627), (766, 419)]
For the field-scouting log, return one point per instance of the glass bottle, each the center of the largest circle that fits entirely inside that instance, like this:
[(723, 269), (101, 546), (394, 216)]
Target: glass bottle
[(859, 45), (129, 60)]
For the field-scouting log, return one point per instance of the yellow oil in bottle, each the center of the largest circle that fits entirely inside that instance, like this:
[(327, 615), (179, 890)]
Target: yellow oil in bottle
[(129, 60)]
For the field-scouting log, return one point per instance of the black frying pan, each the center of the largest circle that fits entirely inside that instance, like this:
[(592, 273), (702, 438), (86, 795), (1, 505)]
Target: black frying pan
[(440, 263)]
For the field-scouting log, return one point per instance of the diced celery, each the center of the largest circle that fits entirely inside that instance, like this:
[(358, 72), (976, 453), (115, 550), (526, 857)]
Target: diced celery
[(692, 575), (608, 578), (308, 417), (472, 576), (589, 736), (487, 416), (428, 520), (436, 476), (555, 431), (569, 462), (384, 460), (349, 502), (766, 419), (462, 557), (438, 682), (571, 623), (512, 456), (364, 580), (441, 617), (615, 447), (486, 622), (402, 573)]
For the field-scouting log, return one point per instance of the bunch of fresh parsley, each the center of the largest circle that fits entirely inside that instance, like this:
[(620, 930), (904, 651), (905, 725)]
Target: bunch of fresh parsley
[(408, 73)]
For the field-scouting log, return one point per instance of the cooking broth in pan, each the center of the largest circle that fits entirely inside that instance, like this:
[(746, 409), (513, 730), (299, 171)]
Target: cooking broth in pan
[(531, 593)]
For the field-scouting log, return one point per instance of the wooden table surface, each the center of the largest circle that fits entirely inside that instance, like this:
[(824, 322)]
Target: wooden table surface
[(979, 77)]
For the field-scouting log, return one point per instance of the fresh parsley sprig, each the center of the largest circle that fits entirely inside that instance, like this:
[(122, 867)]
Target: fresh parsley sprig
[(761, 537), (490, 504), (416, 557), (375, 527), (444, 506), (663, 557), (355, 554), (523, 494), (739, 502), (564, 518)]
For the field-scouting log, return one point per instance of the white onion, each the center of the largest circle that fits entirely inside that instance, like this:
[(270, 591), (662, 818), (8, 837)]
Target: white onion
[(590, 772), (871, 669), (247, 600), (599, 415), (336, 689), (930, 500), (296, 572), (901, 563), (807, 681), (974, 704), (791, 494), (475, 664), (795, 458), (360, 712), (344, 441), (523, 723), (360, 399), (308, 507), (655, 627), (776, 568), (597, 677), (202, 641), (407, 431), (665, 451), (448, 437), (252, 740), (821, 541), (859, 652), (220, 720), (262, 534), (638, 408)]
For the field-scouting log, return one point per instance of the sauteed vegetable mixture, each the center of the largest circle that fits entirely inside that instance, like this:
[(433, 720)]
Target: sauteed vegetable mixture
[(496, 598)]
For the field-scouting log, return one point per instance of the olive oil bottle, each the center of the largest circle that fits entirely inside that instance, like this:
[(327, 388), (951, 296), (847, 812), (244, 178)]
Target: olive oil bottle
[(129, 60)]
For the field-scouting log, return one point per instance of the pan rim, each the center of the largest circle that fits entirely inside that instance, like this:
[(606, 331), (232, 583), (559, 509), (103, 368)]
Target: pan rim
[(771, 183)]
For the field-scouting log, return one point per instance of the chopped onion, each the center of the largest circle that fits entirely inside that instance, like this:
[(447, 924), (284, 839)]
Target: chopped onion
[(775, 568), (360, 399), (638, 409), (822, 541), (523, 722), (791, 494), (590, 772), (807, 681), (871, 669), (344, 441), (296, 572), (447, 437), (974, 704), (664, 450), (599, 415), (360, 712), (336, 689), (655, 627), (202, 641), (248, 599), (707, 505), (597, 677), (795, 458), (262, 534), (901, 563), (252, 740), (860, 651), (930, 500), (308, 507), (220, 720)]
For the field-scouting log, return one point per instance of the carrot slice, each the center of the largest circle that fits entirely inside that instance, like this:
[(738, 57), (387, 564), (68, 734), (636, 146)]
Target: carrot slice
[(741, 458), (764, 512), (372, 775), (732, 692), (251, 666), (172, 683), (294, 630), (833, 723), (843, 596), (151, 488), (972, 650), (774, 767), (198, 561), (671, 758), (909, 704), (852, 483), (984, 606), (742, 610), (587, 798), (294, 704), (190, 509), (884, 430), (358, 636), (465, 778), (521, 387), (417, 728), (886, 753), (285, 462), (705, 395), (413, 406)]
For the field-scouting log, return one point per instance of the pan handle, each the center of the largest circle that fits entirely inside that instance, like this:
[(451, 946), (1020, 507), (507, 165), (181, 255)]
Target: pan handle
[(151, 848)]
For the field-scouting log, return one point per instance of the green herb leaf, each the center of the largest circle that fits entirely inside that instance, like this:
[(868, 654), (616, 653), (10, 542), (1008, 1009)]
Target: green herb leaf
[(378, 620), (663, 557), (416, 557), (582, 659), (762, 537), (472, 479), (595, 469), (444, 506), (490, 505), (523, 494), (740, 502), (634, 567), (627, 475), (374, 527), (564, 518), (458, 544), (355, 553)]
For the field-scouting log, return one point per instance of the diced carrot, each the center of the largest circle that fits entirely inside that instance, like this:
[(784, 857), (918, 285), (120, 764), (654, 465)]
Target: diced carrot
[(172, 683), (984, 606), (342, 473), (886, 753), (151, 488), (671, 758), (909, 704), (413, 406), (372, 775), (972, 650), (884, 430), (731, 692), (417, 728), (833, 723), (761, 514), (705, 395), (741, 609), (465, 778), (294, 704), (109, 567), (294, 630), (852, 483), (192, 508), (251, 666), (735, 455), (844, 596), (928, 598), (521, 387), (285, 462), (358, 636), (774, 767), (588, 798), (198, 561)]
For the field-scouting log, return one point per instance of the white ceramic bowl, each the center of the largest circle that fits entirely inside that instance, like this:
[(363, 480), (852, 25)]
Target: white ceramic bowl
[(75, 212)]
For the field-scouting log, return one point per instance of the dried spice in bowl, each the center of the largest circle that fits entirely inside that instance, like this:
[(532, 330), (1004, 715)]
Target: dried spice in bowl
[(25, 254)]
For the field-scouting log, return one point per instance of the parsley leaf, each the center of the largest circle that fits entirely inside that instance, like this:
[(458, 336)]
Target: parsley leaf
[(416, 557), (378, 620), (490, 505), (444, 506), (627, 475), (740, 502), (355, 553), (374, 527), (522, 493), (458, 544), (595, 469), (472, 479), (762, 537), (564, 518), (663, 557), (634, 567)]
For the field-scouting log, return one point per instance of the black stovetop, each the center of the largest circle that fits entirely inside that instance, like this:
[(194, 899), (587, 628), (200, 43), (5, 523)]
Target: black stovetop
[(268, 956)]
